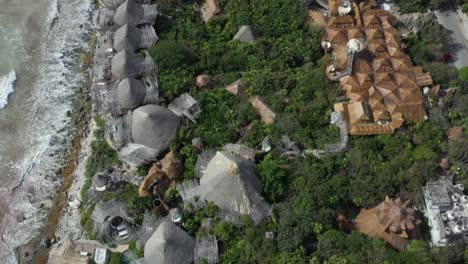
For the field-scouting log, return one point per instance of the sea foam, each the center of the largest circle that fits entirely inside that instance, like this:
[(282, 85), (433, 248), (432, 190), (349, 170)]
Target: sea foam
[(7, 86)]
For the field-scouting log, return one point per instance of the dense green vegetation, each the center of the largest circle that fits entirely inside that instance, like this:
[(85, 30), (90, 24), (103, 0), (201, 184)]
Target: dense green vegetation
[(102, 156), (285, 67)]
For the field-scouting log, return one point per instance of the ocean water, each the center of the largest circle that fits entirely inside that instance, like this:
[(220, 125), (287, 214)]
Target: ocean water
[(40, 42)]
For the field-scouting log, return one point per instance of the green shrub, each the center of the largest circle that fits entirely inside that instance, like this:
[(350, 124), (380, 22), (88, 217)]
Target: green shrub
[(170, 54), (464, 8)]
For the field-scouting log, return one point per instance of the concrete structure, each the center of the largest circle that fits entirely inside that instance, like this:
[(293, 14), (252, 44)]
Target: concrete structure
[(447, 211)]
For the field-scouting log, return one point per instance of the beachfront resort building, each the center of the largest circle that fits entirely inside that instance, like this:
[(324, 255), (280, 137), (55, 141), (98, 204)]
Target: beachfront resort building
[(382, 87)]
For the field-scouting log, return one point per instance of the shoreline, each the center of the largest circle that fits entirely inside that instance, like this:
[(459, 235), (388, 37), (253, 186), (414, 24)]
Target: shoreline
[(74, 155)]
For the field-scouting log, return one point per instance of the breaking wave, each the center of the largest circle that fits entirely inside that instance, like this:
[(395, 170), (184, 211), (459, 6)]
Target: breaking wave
[(7, 86)]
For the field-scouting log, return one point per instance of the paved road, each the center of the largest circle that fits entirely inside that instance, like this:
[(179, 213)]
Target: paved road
[(457, 22)]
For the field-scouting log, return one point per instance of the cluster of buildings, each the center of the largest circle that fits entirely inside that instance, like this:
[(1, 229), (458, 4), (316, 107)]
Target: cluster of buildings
[(126, 94), (125, 88), (368, 60)]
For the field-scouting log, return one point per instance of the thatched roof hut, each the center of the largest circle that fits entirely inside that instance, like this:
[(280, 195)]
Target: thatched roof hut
[(105, 213), (130, 94), (131, 38), (134, 14), (169, 244), (126, 64), (141, 135), (230, 182), (154, 126), (148, 227)]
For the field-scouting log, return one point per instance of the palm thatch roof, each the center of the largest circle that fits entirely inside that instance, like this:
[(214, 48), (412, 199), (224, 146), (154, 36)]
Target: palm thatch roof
[(130, 94), (134, 14), (169, 244), (104, 213), (154, 126), (150, 223), (141, 135), (126, 64), (230, 182), (131, 38)]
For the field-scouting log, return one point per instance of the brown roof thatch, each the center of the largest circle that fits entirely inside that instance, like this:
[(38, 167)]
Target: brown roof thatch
[(391, 220)]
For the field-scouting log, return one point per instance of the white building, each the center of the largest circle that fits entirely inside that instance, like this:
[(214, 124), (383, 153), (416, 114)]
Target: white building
[(447, 210)]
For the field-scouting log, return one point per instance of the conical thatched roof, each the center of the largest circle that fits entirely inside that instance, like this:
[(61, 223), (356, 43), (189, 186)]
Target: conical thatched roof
[(230, 182), (169, 244), (130, 93), (132, 13), (129, 12), (127, 37), (154, 126), (126, 64), (132, 38)]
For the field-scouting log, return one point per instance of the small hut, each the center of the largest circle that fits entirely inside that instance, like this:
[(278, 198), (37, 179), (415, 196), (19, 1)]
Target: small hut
[(111, 221), (130, 94), (185, 105), (134, 14), (132, 38), (229, 181), (154, 126), (169, 244), (127, 64), (141, 135)]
